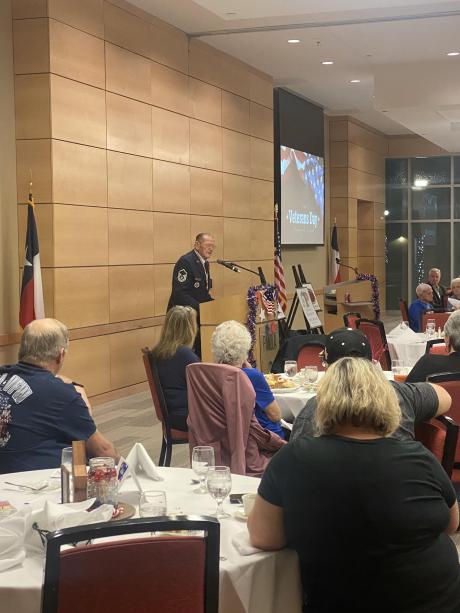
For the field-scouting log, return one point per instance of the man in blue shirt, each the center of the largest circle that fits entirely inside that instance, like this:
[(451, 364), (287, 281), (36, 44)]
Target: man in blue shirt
[(423, 304), (39, 413)]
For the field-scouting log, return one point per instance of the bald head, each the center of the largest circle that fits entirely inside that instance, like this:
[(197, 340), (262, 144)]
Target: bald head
[(43, 343)]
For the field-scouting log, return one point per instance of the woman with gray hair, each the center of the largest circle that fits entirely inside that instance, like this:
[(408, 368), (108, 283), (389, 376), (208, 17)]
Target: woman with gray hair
[(368, 515), (230, 344), (431, 364)]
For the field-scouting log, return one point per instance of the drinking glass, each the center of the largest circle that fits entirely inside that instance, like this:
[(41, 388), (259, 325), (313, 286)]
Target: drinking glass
[(219, 483), (311, 373), (202, 460), (430, 329), (399, 372), (290, 368), (152, 503), (67, 477)]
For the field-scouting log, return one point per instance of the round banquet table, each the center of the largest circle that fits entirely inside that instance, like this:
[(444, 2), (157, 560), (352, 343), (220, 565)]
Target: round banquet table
[(265, 581), (408, 349)]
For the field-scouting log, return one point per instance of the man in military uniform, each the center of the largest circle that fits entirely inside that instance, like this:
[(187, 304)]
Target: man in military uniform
[(191, 279)]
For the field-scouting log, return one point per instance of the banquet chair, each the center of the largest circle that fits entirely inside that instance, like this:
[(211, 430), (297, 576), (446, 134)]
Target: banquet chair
[(436, 346), (311, 355), (147, 573), (171, 436), (349, 319), (375, 332), (404, 310), (221, 402), (439, 318), (440, 436)]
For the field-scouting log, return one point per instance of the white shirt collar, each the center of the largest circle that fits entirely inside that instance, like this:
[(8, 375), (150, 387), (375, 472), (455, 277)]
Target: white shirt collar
[(202, 260)]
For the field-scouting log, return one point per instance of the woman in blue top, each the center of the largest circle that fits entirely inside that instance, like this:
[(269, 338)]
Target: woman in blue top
[(231, 342), (172, 355)]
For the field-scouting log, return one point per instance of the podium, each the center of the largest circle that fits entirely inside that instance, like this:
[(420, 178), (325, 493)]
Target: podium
[(236, 307), (341, 298)]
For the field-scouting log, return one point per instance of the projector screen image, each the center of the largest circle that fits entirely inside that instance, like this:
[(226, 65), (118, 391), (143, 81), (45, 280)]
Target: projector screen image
[(302, 198)]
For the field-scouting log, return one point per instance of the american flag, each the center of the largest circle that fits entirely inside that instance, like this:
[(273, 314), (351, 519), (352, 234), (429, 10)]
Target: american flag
[(279, 270)]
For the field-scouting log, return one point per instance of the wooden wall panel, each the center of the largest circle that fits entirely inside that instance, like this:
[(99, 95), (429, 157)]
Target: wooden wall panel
[(236, 196), (262, 198), (77, 112), (261, 159), (79, 174), (126, 366), (205, 145), (76, 55), (81, 296), (235, 112), (205, 101), (171, 187), (31, 46), (34, 156), (80, 236), (261, 89), (261, 240), (131, 292), (130, 237), (86, 15), (162, 275), (126, 30), (127, 74), (261, 122), (237, 239), (169, 46), (129, 181), (24, 9), (129, 127), (88, 362), (171, 136), (171, 237), (236, 153), (32, 100), (169, 89), (205, 192)]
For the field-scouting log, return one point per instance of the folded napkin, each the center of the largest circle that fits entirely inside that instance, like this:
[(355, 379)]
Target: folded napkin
[(242, 544), (54, 516), (139, 462), (12, 533), (402, 332)]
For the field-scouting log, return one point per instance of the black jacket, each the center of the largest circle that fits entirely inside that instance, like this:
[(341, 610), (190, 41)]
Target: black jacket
[(438, 295), (189, 284)]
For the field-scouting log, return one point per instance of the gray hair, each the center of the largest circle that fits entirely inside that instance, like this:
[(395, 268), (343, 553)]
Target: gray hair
[(42, 341), (230, 343), (434, 270), (452, 330), (422, 287)]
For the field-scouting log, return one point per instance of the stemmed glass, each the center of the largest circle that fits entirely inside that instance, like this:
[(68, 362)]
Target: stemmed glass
[(202, 460), (219, 482)]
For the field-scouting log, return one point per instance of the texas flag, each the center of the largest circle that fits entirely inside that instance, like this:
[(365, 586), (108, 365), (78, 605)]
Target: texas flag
[(31, 306), (334, 268)]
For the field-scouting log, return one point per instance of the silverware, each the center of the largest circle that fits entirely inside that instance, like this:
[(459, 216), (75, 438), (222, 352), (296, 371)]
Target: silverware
[(27, 487)]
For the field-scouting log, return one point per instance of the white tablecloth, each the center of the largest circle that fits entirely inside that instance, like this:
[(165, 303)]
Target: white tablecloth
[(408, 349), (267, 582)]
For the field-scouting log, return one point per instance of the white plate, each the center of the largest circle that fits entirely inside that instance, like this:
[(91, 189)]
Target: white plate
[(241, 515), (285, 390)]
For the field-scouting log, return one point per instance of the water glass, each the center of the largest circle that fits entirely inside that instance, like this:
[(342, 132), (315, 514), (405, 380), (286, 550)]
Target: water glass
[(399, 372), (202, 460), (311, 374), (66, 475), (219, 484), (290, 368), (152, 503)]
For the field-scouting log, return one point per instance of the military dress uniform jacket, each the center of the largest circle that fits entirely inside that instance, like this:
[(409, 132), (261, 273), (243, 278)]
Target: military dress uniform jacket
[(189, 283)]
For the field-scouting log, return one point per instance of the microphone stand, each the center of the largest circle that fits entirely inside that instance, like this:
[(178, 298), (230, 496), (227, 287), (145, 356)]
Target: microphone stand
[(233, 265), (355, 270)]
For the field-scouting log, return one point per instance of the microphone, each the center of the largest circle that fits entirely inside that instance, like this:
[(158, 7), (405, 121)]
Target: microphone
[(355, 270), (229, 265)]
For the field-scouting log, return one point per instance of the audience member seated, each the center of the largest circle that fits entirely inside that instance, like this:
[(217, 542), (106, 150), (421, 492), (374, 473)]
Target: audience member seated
[(369, 515), (439, 291), (454, 293), (39, 413), (172, 355), (417, 402), (421, 305), (231, 343), (432, 364)]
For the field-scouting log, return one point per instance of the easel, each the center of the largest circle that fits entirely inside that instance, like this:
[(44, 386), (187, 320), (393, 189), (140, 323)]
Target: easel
[(300, 281)]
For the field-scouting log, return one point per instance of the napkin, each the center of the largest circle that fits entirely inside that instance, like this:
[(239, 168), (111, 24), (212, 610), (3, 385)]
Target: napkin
[(242, 544), (12, 533), (54, 516), (402, 332), (139, 462)]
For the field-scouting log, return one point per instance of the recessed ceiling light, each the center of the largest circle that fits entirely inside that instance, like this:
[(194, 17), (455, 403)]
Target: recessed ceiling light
[(293, 41), (327, 63), (355, 81), (452, 53)]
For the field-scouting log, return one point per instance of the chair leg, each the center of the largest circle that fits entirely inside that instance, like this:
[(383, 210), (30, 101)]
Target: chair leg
[(168, 454), (162, 453)]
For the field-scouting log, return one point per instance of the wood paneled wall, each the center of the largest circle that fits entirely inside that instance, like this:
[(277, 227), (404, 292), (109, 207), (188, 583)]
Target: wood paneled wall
[(137, 138)]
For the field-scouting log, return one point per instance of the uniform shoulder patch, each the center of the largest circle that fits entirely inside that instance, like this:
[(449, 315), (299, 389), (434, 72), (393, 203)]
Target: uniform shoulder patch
[(182, 275)]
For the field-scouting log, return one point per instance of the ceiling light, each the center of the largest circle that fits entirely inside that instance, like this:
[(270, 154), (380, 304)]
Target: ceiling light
[(327, 63), (420, 182), (453, 53), (293, 41), (355, 81)]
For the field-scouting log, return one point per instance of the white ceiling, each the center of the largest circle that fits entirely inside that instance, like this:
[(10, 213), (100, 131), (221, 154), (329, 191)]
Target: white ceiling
[(397, 48)]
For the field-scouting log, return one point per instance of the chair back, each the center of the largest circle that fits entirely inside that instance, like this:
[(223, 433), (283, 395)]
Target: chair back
[(436, 346), (375, 332), (450, 381), (159, 402), (349, 319), (404, 310), (308, 355), (439, 318), (161, 573), (440, 436)]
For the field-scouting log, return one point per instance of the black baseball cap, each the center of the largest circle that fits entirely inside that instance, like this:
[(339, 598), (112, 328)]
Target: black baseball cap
[(346, 342)]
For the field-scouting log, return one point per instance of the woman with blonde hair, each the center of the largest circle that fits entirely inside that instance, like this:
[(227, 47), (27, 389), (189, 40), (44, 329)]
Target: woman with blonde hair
[(171, 355), (369, 515)]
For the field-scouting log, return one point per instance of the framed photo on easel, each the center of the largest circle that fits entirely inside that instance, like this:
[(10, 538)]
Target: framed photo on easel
[(303, 294)]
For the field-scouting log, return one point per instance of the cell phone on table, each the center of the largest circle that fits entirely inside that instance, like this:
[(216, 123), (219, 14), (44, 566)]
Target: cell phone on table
[(236, 498)]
